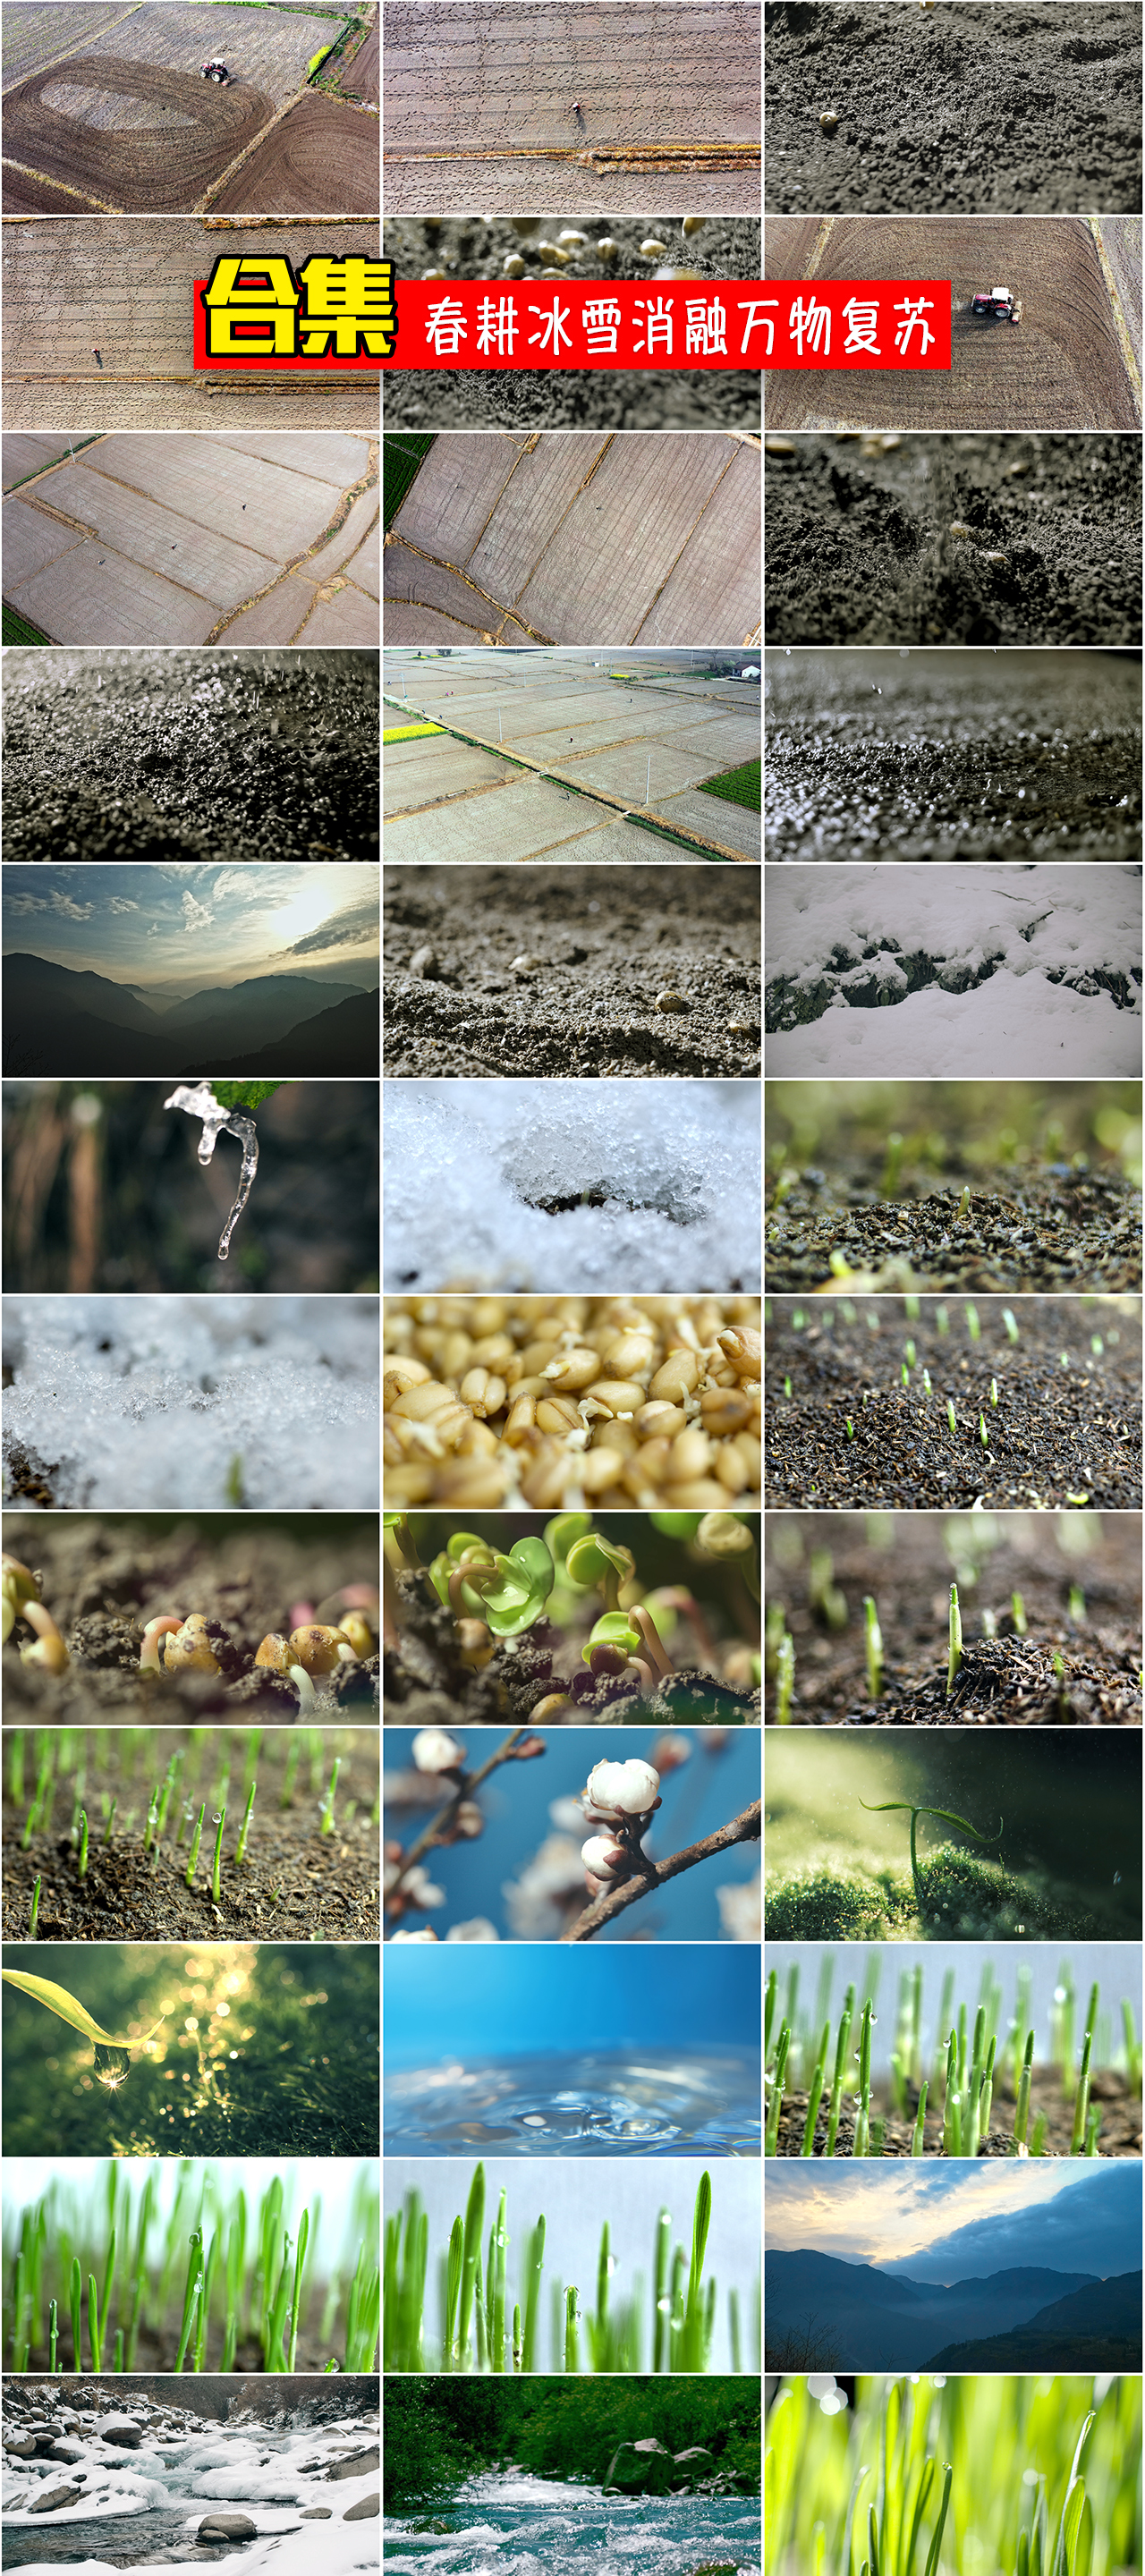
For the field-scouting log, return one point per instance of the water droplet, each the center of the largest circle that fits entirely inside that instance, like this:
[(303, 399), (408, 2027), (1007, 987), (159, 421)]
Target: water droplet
[(1117, 1878)]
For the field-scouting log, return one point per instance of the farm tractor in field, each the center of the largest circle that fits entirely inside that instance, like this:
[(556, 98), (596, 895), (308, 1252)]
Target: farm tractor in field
[(216, 70), (999, 304)]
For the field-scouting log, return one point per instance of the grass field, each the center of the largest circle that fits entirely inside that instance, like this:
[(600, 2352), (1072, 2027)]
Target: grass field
[(737, 786), (403, 455), (18, 631)]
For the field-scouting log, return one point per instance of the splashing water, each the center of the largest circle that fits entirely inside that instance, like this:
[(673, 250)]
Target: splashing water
[(199, 1101)]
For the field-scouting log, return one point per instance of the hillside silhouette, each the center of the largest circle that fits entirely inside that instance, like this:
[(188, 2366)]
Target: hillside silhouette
[(61, 1022), (1098, 2328)]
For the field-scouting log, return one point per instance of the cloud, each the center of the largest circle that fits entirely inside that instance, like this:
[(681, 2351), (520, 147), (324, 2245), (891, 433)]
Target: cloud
[(119, 903), (156, 930), (72, 911), (196, 915), (21, 904), (350, 932), (962, 2219)]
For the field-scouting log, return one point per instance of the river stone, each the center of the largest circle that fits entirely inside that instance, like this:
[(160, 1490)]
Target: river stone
[(21, 2450), (68, 2452), (365, 2509), (355, 2465), (127, 2437), (55, 2499), (318, 2513), (227, 2526)]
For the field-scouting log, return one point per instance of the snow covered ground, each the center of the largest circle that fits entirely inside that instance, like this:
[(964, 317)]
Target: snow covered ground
[(630, 1186), (986, 970), (150, 1401), (286, 2484)]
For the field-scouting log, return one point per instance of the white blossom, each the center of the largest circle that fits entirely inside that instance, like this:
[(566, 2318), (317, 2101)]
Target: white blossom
[(622, 1788), (413, 1936), (740, 1911), (478, 1928), (434, 1750), (604, 1858)]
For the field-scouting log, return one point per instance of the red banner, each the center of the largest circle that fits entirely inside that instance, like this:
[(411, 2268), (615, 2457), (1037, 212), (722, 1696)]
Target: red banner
[(860, 322), (255, 314), (524, 322)]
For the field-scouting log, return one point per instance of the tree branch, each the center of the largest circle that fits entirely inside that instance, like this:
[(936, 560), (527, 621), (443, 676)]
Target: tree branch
[(742, 1829), (467, 1782)]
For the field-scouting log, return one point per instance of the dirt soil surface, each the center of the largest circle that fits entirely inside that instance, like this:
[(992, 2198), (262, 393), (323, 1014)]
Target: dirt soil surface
[(979, 109), (953, 540), (1066, 364), (190, 756), (103, 1579), (1050, 1229), (321, 160), (1056, 1433), (162, 170), (295, 1883), (953, 755), (1118, 2135), (559, 972), (1007, 1680), (359, 75), (425, 1683), (513, 398)]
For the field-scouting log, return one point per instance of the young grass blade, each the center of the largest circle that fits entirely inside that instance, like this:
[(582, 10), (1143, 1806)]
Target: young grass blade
[(572, 2355), (56, 1999), (846, 2561), (452, 2288), (926, 2481), (194, 2270), (76, 2303), (936, 2542), (296, 2296), (1063, 2558), (93, 2321), (471, 2257), (661, 2302), (916, 2144), (536, 2267), (53, 2336)]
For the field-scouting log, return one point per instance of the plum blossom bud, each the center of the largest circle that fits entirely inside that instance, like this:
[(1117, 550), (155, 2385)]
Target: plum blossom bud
[(622, 1788), (413, 1936), (671, 1751), (434, 1750), (604, 1858)]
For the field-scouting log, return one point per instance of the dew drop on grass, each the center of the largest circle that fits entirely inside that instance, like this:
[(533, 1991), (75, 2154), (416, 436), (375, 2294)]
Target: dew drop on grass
[(1117, 1878)]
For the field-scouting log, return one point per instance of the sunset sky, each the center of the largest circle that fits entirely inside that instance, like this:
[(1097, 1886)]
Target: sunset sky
[(946, 2222), (175, 927)]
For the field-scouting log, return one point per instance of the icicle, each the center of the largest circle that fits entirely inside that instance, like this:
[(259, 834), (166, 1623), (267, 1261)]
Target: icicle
[(199, 1101)]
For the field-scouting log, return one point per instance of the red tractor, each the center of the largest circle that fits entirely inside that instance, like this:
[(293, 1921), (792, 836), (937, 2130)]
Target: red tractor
[(1000, 304), (216, 70)]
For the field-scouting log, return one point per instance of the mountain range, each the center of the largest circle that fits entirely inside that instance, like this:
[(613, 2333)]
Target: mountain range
[(853, 2316), (58, 1021)]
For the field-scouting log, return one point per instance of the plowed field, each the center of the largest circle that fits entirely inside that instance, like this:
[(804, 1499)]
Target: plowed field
[(322, 159), (160, 169), (1062, 367), (361, 76)]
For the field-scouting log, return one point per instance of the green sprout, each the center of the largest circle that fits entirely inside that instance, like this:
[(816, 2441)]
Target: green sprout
[(964, 1204), (326, 1819), (1076, 1601), (973, 1326), (862, 2139), (476, 1581), (892, 1166), (942, 1320), (994, 1390), (874, 1648), (195, 1840), (787, 1386), (983, 1434), (951, 1418), (1022, 2106), (954, 1657), (850, 1427), (34, 1916), (1018, 1614), (785, 1680), (911, 1355), (815, 2093), (1011, 1327), (916, 2144), (775, 2104), (216, 1890), (244, 1829), (904, 1806), (82, 1872)]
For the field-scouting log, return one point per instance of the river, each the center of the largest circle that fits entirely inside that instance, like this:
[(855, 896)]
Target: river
[(507, 2523)]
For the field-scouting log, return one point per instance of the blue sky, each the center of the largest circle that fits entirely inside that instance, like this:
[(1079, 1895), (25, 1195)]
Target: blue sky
[(948, 2222), (492, 2000), (173, 927)]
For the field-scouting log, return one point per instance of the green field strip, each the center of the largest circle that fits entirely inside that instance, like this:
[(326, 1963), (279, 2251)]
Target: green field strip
[(403, 455), (737, 786)]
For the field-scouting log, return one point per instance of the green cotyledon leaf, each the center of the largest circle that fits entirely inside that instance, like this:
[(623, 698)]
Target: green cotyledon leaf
[(243, 1095), (56, 1999)]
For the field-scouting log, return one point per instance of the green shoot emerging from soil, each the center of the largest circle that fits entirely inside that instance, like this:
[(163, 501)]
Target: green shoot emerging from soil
[(885, 1806)]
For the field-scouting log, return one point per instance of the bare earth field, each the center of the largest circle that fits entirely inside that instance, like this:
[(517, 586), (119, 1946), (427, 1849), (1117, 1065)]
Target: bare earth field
[(360, 77), (66, 294), (981, 109), (1067, 364), (964, 540), (592, 103), (130, 124), (34, 33), (574, 538), (176, 540), (323, 159), (953, 755)]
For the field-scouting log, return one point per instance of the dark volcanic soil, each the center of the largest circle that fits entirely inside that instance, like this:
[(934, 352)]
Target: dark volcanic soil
[(980, 109), (859, 546), (556, 398), (1118, 2135), (103, 1579), (602, 948), (1051, 1228), (295, 1883), (1057, 1433), (1004, 1680), (952, 755), (188, 756)]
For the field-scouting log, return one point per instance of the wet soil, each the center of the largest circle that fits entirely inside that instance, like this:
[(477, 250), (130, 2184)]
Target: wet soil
[(1118, 2135), (1058, 1436), (1007, 1680), (1056, 1227), (425, 1684), (574, 398), (103, 1579), (953, 755), (859, 549), (191, 757), (559, 971), (981, 110), (295, 1882)]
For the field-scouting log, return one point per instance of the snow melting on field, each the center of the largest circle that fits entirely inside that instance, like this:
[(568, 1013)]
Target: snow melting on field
[(566, 1186), (149, 1401), (271, 2493), (1021, 928)]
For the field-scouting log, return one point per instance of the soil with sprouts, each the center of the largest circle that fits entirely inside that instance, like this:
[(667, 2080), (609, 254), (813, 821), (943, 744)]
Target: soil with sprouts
[(103, 1579), (295, 1882), (1119, 2132), (1064, 1434), (426, 1684), (1053, 1227)]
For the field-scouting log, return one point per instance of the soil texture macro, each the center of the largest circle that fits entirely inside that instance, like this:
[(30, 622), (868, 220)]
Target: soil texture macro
[(928, 755), (571, 970), (980, 110), (182, 756), (1031, 1589), (953, 540), (1065, 1433), (295, 1882)]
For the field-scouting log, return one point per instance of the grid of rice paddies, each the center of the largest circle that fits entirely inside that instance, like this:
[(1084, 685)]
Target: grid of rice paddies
[(190, 896), (952, 1338), (571, 741)]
